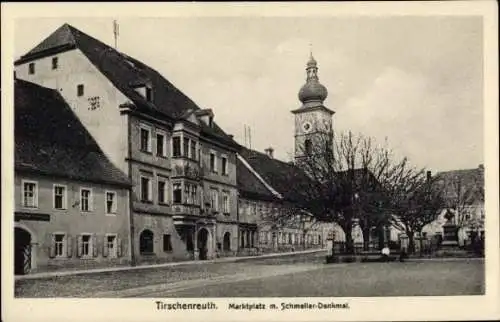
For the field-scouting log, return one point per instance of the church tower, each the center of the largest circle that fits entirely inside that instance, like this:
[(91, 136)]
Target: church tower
[(312, 119)]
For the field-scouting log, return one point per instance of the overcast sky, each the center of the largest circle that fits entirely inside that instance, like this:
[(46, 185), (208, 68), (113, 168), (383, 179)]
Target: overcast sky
[(415, 80)]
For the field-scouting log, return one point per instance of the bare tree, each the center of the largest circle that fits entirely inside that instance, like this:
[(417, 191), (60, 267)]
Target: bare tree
[(462, 197), (415, 200), (345, 181)]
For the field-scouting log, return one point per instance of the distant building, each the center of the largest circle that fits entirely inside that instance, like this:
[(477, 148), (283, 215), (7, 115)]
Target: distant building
[(181, 163), (269, 213), (71, 202), (464, 199)]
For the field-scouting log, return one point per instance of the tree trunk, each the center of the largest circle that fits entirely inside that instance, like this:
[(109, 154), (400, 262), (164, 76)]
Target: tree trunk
[(411, 244), (380, 235), (366, 238), (349, 243)]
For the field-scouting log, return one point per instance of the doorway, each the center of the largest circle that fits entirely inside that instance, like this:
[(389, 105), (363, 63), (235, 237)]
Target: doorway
[(202, 240), (227, 242), (22, 251)]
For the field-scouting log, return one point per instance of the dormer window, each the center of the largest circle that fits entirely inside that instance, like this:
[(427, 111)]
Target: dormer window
[(144, 88), (149, 94), (206, 116), (31, 68)]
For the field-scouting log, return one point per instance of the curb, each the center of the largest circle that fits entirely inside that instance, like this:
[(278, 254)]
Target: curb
[(172, 264)]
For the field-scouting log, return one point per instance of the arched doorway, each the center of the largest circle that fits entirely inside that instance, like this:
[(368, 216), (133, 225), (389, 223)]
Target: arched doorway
[(146, 242), (227, 242), (22, 251), (202, 242)]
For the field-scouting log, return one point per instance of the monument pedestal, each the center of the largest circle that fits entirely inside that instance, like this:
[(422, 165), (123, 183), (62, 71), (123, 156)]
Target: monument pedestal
[(449, 245)]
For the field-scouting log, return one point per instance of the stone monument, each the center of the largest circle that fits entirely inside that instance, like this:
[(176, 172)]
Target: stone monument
[(450, 231)]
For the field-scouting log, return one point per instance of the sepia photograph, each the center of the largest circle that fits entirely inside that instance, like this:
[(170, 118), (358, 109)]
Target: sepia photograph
[(318, 157)]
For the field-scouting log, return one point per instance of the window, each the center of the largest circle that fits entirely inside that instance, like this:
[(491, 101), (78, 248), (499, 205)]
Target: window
[(85, 199), (86, 245), (111, 246), (30, 194), (224, 166), (190, 193), (187, 194), (59, 245), (225, 202), (160, 144), (308, 146), (176, 146), (31, 68), (111, 202), (167, 243), (290, 238), (145, 189), (177, 191), (213, 163), (59, 197), (214, 199), (54, 62), (146, 242), (193, 150), (145, 139), (186, 148), (193, 195), (162, 191), (79, 90)]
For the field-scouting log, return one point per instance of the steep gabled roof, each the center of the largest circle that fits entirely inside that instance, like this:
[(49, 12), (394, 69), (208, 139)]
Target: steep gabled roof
[(281, 176), (50, 139), (125, 73), (471, 181), (249, 186)]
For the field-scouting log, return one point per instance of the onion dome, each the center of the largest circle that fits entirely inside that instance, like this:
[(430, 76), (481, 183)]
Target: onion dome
[(313, 90)]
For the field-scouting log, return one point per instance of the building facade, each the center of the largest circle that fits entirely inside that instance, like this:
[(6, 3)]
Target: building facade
[(270, 217), (182, 166), (71, 203)]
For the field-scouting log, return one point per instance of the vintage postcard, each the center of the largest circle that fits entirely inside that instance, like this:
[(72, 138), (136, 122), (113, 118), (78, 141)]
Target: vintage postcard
[(323, 161)]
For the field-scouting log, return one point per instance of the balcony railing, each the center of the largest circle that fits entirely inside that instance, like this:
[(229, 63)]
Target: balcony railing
[(189, 210), (186, 168)]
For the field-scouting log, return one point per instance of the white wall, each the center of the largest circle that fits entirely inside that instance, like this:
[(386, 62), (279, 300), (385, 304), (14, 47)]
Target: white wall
[(105, 124)]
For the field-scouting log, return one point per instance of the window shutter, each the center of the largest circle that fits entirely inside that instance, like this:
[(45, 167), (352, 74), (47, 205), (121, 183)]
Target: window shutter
[(79, 247), (95, 247), (118, 247), (69, 246), (52, 247), (105, 247)]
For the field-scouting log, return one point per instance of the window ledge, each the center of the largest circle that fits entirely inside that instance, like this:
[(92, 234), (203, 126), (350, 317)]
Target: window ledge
[(111, 214), (147, 201), (146, 152), (28, 207)]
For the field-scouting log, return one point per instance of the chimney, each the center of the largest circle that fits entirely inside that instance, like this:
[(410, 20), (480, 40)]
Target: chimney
[(269, 152), (429, 175)]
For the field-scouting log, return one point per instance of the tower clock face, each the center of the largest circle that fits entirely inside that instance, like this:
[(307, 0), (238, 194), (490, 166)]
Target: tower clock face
[(307, 127)]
